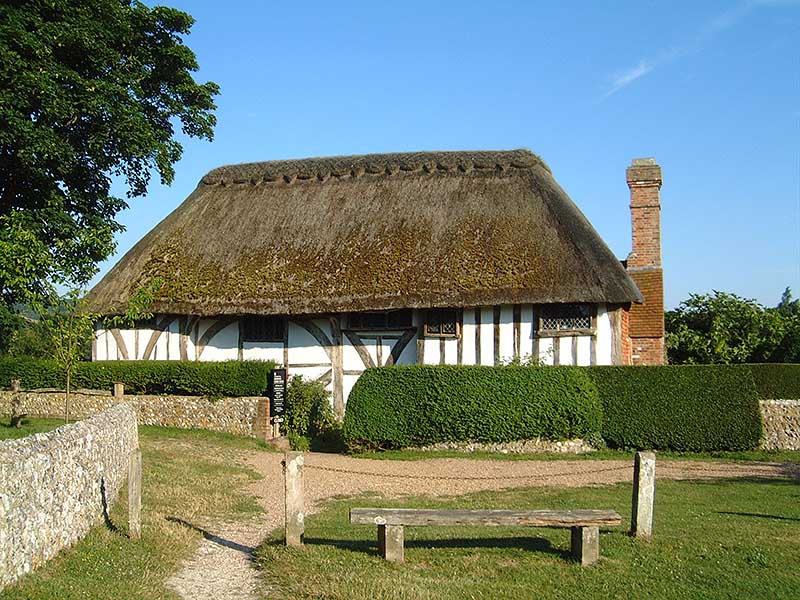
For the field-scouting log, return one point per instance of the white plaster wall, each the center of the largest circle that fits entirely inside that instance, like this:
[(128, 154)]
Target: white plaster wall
[(451, 351), (506, 333), (304, 347), (223, 346), (468, 337), (526, 328), (565, 356), (546, 351), (604, 336), (432, 352), (487, 335), (584, 358), (262, 351)]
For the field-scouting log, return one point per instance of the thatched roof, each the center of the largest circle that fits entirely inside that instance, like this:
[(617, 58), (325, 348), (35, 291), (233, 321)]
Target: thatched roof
[(370, 232)]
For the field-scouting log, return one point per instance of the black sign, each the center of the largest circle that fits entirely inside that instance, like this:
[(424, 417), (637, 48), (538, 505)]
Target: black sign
[(277, 393)]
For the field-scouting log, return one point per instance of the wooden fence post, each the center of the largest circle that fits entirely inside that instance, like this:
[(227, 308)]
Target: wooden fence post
[(119, 389), (15, 385), (293, 485), (644, 492), (135, 494)]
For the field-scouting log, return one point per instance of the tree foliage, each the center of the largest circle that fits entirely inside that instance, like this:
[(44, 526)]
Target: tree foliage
[(725, 328), (89, 90)]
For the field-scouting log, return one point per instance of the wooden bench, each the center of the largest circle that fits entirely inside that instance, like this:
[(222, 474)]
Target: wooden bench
[(390, 522)]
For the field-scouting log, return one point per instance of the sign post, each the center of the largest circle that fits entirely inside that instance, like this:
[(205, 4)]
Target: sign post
[(277, 394)]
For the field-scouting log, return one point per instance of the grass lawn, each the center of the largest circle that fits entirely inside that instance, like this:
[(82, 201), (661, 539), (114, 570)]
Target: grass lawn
[(721, 539), (606, 454), (189, 476)]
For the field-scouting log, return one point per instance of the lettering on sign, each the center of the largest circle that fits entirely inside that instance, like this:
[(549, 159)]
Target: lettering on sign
[(277, 394)]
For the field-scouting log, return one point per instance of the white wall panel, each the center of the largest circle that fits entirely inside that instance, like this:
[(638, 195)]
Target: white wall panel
[(526, 331), (451, 351), (223, 346), (584, 358), (565, 356), (304, 347), (432, 351), (487, 335), (468, 337), (409, 354), (604, 334), (263, 351), (506, 333), (546, 351), (174, 340)]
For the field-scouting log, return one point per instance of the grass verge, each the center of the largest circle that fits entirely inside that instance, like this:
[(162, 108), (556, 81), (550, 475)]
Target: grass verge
[(191, 479), (728, 538)]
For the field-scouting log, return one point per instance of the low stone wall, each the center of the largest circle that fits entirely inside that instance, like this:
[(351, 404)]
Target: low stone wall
[(55, 486), (576, 446), (241, 416), (781, 424)]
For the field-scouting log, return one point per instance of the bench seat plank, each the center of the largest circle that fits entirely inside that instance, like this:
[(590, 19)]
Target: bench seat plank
[(537, 518)]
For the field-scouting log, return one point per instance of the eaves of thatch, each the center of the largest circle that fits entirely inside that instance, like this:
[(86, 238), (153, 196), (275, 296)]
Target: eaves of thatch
[(371, 232)]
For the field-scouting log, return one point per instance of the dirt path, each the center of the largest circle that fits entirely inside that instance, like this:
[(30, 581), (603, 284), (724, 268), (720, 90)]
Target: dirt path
[(222, 569)]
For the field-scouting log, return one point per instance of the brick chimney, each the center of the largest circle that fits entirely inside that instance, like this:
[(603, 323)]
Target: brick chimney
[(646, 321)]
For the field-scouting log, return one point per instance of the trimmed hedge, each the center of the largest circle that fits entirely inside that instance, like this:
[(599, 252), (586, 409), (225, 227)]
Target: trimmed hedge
[(683, 408), (215, 379), (775, 381), (402, 406)]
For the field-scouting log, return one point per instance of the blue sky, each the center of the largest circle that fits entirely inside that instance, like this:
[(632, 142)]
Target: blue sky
[(710, 89)]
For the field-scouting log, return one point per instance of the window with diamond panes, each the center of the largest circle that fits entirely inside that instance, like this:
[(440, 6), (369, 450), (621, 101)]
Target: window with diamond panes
[(566, 317), (442, 322)]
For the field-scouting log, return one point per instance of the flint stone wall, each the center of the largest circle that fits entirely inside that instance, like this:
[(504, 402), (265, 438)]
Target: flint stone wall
[(55, 486), (781, 424), (241, 416)]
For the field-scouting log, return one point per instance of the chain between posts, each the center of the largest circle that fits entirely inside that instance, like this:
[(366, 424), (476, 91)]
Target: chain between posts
[(454, 478)]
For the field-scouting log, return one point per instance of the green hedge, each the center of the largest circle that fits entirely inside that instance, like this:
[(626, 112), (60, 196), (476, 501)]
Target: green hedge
[(395, 407), (683, 408), (215, 379), (776, 381)]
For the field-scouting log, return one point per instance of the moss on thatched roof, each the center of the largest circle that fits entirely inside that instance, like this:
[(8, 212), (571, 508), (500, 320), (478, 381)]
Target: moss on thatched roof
[(370, 233)]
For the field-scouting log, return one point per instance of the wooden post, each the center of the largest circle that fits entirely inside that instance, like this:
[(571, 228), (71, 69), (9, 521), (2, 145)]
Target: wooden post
[(293, 484), (119, 389), (644, 492), (15, 385), (135, 494)]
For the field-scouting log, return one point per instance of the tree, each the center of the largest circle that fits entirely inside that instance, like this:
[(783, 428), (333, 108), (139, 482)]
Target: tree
[(69, 328), (725, 328), (89, 90)]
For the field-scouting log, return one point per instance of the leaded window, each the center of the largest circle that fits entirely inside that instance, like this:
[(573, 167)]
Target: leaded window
[(442, 322), (566, 317)]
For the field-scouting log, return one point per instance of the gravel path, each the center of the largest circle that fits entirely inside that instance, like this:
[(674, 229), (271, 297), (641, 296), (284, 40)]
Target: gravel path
[(221, 568)]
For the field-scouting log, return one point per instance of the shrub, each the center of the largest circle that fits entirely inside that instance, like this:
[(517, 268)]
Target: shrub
[(776, 381), (395, 407), (310, 422), (215, 379), (684, 408)]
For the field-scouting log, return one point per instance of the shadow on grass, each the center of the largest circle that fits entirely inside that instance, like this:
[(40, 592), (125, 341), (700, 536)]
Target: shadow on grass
[(532, 544), (221, 541), (757, 515)]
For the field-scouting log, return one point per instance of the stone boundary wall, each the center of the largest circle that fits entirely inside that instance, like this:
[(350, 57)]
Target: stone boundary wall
[(242, 416), (781, 424), (537, 446), (55, 486)]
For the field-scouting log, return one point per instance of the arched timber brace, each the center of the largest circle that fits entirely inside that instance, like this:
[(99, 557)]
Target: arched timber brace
[(161, 326), (358, 345), (399, 346), (218, 326), (121, 348)]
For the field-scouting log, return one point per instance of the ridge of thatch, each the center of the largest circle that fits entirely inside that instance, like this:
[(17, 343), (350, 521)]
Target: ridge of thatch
[(373, 232)]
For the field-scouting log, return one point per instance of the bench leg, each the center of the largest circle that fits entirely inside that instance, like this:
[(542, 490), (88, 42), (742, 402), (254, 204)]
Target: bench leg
[(390, 542), (586, 544)]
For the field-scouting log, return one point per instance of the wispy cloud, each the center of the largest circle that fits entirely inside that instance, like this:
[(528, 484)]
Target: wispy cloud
[(695, 43)]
